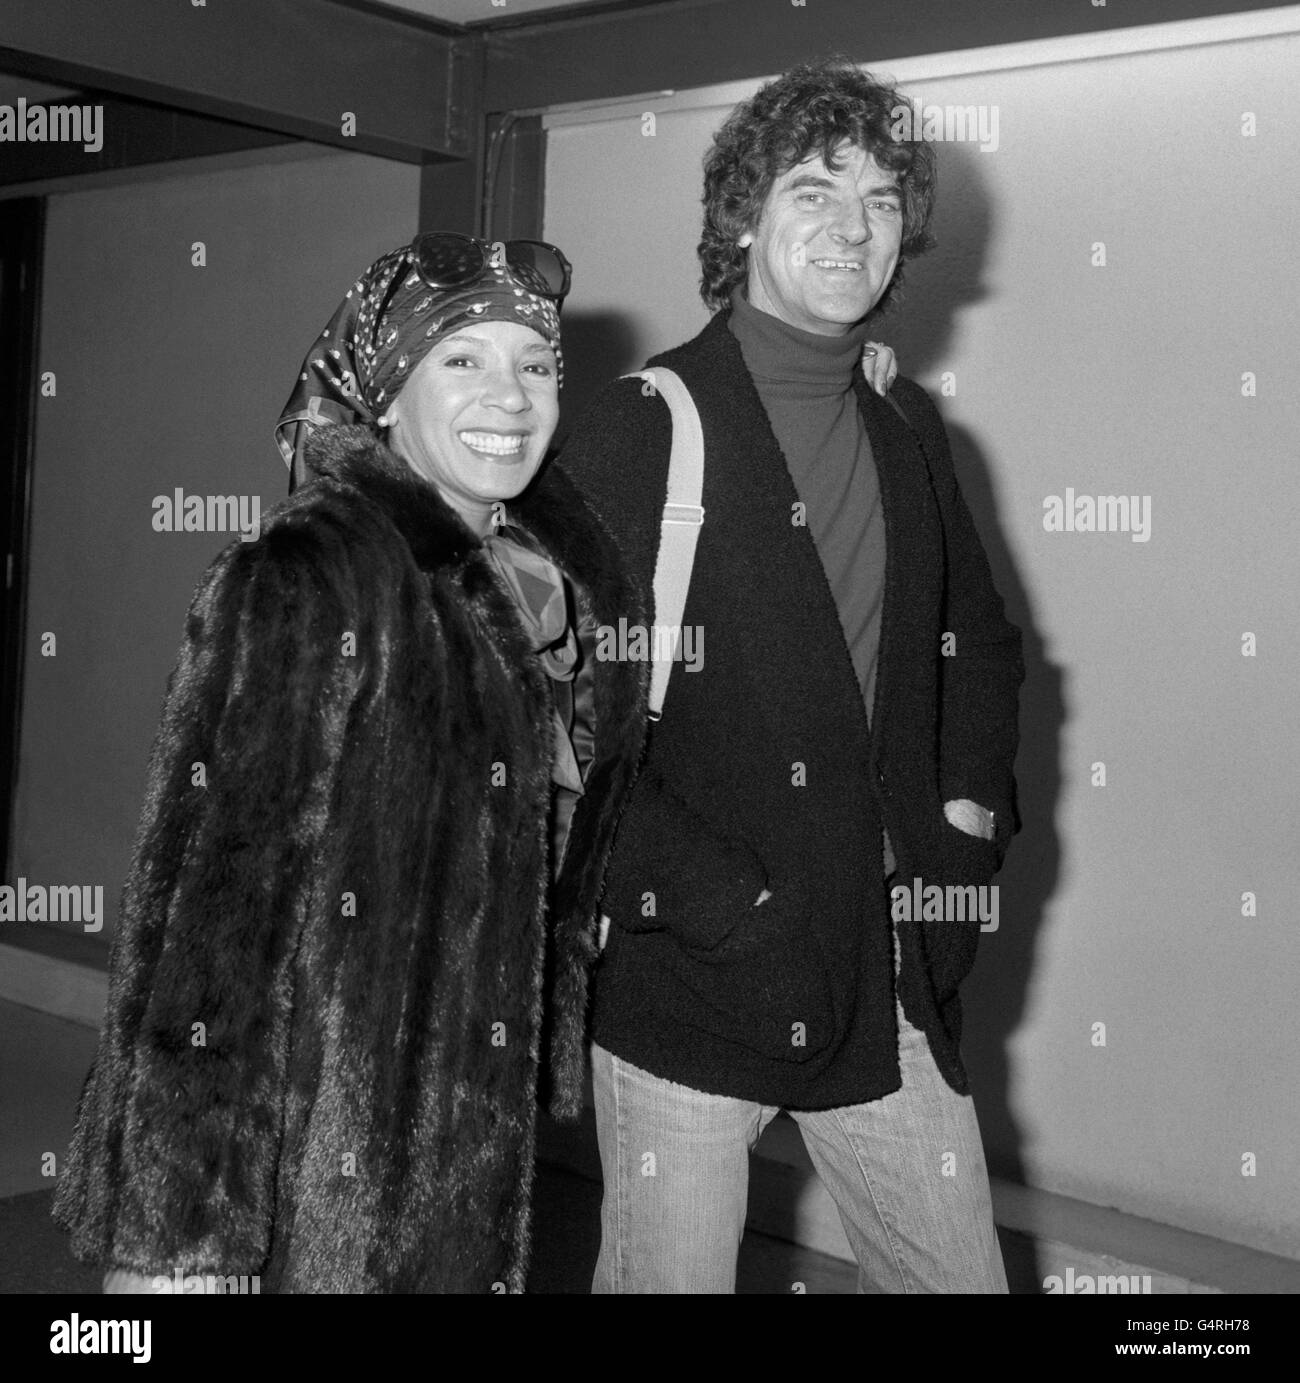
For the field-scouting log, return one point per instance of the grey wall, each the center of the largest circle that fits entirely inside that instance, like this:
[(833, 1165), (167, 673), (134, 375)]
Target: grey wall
[(1120, 904), (167, 375)]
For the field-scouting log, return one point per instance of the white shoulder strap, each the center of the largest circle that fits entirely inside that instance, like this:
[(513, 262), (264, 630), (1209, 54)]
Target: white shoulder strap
[(680, 528)]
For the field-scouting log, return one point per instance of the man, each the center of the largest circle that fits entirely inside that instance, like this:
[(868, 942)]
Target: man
[(853, 723)]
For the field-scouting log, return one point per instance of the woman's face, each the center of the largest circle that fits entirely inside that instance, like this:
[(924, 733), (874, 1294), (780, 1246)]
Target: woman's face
[(477, 415)]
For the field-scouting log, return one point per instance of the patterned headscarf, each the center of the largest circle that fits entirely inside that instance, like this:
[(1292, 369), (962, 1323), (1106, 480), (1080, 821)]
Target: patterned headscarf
[(387, 323)]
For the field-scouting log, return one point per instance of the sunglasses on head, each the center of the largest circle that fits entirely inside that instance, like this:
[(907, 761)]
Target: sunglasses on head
[(444, 259)]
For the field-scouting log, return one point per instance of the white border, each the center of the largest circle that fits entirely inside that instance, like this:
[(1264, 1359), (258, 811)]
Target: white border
[(1045, 52)]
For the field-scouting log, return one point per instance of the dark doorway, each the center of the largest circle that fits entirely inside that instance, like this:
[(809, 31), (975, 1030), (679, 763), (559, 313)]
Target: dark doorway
[(22, 233)]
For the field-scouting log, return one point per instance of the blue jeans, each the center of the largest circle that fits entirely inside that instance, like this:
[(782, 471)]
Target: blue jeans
[(906, 1173)]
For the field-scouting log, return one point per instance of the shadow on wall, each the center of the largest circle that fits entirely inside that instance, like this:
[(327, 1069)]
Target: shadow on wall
[(996, 994), (920, 322), (921, 328), (598, 347)]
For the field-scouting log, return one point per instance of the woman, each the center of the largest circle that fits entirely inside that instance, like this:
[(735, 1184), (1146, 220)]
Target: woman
[(387, 757)]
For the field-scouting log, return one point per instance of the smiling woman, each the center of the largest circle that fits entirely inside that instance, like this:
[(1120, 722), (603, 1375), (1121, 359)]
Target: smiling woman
[(477, 415), (354, 940)]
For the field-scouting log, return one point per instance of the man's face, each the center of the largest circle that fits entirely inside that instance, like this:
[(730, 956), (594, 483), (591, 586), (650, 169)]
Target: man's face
[(826, 243)]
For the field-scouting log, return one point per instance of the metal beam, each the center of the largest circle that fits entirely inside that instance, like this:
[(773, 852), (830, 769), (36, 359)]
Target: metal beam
[(22, 246), (515, 191), (451, 194), (134, 134), (451, 197), (292, 66), (604, 55)]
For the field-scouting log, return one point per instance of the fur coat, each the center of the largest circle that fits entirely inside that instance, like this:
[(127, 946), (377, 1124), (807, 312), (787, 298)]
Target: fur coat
[(342, 968)]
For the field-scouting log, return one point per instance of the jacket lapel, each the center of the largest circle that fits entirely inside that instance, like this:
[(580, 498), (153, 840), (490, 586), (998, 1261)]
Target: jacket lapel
[(750, 499), (904, 498)]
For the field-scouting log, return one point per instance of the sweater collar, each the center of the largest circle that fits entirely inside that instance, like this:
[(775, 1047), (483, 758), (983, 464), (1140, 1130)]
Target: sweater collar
[(798, 363)]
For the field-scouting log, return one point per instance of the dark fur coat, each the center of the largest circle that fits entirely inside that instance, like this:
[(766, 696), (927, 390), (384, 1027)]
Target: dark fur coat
[(342, 875)]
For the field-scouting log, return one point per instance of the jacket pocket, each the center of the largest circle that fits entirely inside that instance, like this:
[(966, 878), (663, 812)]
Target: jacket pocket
[(764, 987), (951, 942), (674, 871)]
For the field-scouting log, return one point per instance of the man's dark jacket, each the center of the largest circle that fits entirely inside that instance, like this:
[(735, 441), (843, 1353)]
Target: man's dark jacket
[(763, 772), (331, 987)]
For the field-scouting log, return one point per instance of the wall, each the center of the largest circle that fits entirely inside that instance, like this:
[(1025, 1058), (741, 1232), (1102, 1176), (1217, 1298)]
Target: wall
[(167, 375), (1122, 904)]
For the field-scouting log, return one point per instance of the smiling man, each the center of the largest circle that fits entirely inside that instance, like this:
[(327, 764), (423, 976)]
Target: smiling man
[(827, 242), (855, 721)]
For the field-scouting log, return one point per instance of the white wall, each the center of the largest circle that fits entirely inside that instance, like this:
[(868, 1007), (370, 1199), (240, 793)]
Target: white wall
[(167, 375), (1120, 904)]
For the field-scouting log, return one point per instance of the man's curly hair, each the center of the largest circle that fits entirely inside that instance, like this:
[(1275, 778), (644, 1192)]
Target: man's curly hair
[(812, 109)]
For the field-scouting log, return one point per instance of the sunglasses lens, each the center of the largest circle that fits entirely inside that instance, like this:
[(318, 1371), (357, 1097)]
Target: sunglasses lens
[(545, 261), (448, 260)]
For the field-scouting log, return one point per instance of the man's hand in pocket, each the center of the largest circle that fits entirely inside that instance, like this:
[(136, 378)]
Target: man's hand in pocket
[(970, 817)]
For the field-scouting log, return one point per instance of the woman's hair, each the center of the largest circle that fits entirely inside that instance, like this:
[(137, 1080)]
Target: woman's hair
[(812, 109)]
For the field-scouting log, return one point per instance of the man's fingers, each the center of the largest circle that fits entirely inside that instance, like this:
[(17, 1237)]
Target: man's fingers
[(879, 366)]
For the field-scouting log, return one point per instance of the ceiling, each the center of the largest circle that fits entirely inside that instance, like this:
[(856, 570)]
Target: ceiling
[(474, 11)]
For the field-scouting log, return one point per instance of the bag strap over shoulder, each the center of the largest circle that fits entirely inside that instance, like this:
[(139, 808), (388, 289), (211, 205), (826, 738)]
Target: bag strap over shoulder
[(679, 530)]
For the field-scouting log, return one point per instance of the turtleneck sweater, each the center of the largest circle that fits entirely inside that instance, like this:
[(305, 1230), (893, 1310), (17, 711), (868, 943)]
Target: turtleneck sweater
[(805, 382)]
